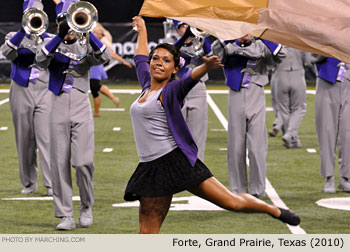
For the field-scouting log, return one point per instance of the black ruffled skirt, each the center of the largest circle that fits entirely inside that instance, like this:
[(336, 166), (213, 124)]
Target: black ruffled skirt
[(165, 176)]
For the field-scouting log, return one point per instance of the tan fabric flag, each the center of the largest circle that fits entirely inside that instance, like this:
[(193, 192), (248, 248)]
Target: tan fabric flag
[(318, 26)]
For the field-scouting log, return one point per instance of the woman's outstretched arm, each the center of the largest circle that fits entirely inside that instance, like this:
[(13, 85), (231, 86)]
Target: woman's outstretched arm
[(210, 63), (142, 40)]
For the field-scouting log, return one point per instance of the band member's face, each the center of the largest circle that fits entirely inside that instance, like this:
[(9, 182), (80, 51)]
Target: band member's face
[(182, 28), (245, 39), (69, 36), (181, 31), (162, 65)]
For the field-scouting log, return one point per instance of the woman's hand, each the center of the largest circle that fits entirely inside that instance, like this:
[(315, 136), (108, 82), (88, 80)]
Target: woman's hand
[(212, 62), (138, 24), (142, 41)]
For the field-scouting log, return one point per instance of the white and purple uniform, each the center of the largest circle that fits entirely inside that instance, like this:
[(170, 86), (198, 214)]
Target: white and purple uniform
[(332, 109), (29, 102), (289, 76), (246, 75), (71, 121)]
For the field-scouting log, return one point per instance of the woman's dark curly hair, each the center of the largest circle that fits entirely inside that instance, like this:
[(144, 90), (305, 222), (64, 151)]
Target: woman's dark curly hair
[(172, 49)]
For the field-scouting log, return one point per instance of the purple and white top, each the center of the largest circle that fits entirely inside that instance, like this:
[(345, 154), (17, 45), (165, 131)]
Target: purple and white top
[(173, 95), (151, 132)]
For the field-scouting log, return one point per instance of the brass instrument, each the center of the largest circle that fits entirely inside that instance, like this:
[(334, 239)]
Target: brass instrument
[(218, 49), (170, 34), (35, 22), (82, 17), (198, 32), (198, 39)]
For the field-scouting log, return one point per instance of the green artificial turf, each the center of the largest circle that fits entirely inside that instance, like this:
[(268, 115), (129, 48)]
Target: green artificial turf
[(294, 173)]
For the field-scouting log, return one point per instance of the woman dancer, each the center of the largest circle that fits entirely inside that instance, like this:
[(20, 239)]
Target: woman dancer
[(167, 152), (97, 73)]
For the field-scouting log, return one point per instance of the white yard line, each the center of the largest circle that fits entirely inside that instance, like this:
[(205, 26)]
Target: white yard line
[(217, 112), (137, 91), (107, 150), (74, 198), (270, 191), (217, 130), (209, 91), (112, 109), (4, 101), (311, 150)]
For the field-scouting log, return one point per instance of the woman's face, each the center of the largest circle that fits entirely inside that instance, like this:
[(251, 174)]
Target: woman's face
[(162, 65)]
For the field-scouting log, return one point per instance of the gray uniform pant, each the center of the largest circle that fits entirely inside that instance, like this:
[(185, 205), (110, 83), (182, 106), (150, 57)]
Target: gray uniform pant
[(277, 123), (30, 114), (332, 121), (71, 143), (247, 129), (195, 112), (291, 96)]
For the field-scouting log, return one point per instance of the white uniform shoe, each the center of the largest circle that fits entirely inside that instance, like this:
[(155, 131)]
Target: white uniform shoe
[(85, 218), (344, 184), (49, 191), (67, 223), (329, 186), (29, 189), (273, 132), (291, 142)]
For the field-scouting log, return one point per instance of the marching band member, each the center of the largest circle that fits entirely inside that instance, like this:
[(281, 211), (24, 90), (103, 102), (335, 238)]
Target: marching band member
[(29, 102), (71, 121), (289, 76), (246, 75), (277, 124), (332, 119)]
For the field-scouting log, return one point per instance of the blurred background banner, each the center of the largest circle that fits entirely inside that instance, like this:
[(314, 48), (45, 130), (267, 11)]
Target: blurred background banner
[(114, 15), (318, 26), (109, 10)]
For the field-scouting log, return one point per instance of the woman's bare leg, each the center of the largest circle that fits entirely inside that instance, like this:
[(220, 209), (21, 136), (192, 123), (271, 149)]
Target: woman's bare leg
[(152, 213), (105, 90), (215, 192), (97, 104)]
